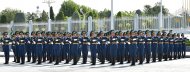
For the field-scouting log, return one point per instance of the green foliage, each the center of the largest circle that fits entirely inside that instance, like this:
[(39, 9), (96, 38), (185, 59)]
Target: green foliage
[(76, 15), (187, 42), (155, 10), (3, 19), (119, 14), (60, 16), (10, 14), (105, 14), (19, 17), (51, 13), (69, 7), (44, 17)]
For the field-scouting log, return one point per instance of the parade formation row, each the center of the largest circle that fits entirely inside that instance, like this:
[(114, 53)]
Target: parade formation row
[(130, 47)]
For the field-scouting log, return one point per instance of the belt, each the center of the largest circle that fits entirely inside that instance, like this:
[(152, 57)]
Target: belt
[(176, 43), (171, 42), (154, 42), (160, 42), (134, 42), (21, 43), (57, 43), (166, 42), (122, 42), (113, 42), (85, 43), (148, 42), (39, 43), (93, 43), (75, 43), (67, 43), (141, 42)]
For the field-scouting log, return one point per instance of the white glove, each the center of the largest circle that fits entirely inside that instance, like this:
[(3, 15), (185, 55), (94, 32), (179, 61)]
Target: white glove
[(88, 43), (10, 43)]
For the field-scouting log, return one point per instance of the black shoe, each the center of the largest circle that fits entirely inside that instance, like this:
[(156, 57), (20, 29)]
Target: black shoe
[(39, 63), (102, 63), (21, 63), (121, 63), (6, 63), (132, 64), (147, 62), (93, 64), (84, 63), (74, 64), (56, 64)]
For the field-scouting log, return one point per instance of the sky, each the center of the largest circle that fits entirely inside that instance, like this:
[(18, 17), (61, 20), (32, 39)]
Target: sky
[(119, 5)]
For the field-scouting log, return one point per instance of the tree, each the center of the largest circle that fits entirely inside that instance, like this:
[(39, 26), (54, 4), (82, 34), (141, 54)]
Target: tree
[(60, 16), (44, 17), (68, 8), (19, 17), (10, 14), (119, 14), (3, 19), (155, 10), (51, 13), (105, 14)]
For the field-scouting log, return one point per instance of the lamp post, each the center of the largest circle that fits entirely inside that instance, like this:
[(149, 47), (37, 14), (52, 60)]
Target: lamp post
[(49, 2)]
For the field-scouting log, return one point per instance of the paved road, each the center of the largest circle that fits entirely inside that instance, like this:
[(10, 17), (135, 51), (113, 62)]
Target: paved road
[(181, 65)]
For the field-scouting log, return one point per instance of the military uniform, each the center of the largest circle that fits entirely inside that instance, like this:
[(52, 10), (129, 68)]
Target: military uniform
[(121, 47), (154, 46), (148, 42), (6, 41), (133, 48), (141, 47), (113, 48), (39, 47), (103, 46), (75, 48), (57, 44), (85, 45), (93, 48)]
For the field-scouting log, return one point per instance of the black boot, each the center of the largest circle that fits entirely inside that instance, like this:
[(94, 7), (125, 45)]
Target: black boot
[(6, 60), (22, 60), (18, 60), (39, 60), (33, 59), (57, 61), (29, 58)]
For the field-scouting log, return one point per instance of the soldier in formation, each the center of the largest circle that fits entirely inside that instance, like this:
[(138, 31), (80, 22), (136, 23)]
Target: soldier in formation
[(112, 47)]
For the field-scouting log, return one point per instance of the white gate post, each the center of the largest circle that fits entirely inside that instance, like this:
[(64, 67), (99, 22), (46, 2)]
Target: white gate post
[(89, 24), (69, 25), (30, 27), (136, 22)]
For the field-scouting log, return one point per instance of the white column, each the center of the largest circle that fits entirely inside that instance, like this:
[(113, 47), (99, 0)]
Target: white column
[(69, 25), (161, 17), (89, 25), (112, 16), (30, 27), (136, 22)]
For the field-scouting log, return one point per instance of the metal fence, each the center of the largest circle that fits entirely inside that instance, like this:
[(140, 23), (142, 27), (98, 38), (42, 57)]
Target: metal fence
[(176, 23)]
